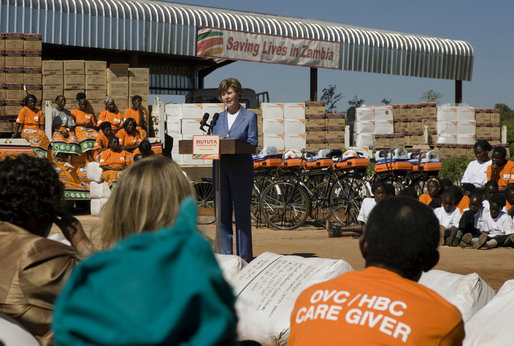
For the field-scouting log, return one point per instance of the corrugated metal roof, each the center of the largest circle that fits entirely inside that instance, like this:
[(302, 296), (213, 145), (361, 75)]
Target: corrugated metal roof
[(170, 28)]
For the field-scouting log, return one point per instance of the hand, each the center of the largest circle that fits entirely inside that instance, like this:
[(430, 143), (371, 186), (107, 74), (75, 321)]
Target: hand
[(72, 230)]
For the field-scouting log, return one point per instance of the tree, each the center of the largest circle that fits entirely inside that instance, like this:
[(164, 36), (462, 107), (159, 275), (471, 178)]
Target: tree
[(507, 119), (386, 101), (331, 98), (356, 102), (431, 96)]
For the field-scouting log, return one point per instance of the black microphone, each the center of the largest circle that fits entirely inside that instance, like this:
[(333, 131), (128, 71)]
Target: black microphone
[(213, 122), (204, 121)]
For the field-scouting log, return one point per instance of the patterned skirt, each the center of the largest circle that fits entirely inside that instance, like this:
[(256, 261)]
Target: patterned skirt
[(63, 145), (86, 138), (38, 141)]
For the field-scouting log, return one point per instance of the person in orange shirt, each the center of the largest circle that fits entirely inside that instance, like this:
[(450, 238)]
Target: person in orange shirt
[(32, 124), (113, 161), (509, 196), (501, 170), (143, 150), (139, 114), (111, 114), (102, 141), (433, 195), (383, 304), (84, 126), (129, 136)]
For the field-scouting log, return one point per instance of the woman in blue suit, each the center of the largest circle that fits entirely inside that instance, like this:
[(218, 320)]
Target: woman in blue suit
[(236, 171)]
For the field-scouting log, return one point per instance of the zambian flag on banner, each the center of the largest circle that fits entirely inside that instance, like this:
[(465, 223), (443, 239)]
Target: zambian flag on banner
[(209, 42)]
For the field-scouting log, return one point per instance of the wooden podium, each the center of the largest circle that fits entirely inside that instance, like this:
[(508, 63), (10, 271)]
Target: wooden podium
[(227, 147)]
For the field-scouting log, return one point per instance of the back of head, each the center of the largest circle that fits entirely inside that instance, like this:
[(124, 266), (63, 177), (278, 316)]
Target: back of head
[(146, 198), (29, 188), (401, 235)]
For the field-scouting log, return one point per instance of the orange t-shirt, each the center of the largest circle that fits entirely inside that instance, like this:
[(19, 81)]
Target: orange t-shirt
[(506, 174), (115, 160), (425, 198), (116, 119), (463, 204), (134, 114), (371, 307), (128, 139), (83, 117), (102, 142), (30, 119)]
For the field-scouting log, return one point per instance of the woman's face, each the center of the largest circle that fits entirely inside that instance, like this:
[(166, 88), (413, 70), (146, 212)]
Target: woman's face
[(380, 194), (481, 154), (433, 189), (31, 103), (230, 98), (82, 105), (114, 144), (111, 106), (130, 127), (61, 101), (498, 159)]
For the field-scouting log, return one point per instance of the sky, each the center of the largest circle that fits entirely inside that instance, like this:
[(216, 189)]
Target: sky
[(486, 25)]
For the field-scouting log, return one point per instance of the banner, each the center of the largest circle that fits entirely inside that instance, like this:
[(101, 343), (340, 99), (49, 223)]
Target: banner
[(240, 45)]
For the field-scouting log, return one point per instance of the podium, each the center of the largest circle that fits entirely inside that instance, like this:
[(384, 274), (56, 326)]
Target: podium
[(227, 147)]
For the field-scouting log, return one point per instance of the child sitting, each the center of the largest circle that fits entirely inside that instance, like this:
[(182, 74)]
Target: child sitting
[(432, 198), (497, 226), (471, 221), (380, 191), (449, 216)]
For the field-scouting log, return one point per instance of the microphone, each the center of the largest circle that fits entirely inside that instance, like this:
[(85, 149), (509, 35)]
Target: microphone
[(213, 122), (204, 121)]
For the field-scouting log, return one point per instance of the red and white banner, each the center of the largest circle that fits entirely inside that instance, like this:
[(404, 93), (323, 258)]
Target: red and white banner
[(240, 45)]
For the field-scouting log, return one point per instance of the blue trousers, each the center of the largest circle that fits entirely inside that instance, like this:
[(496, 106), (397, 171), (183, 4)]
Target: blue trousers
[(236, 184)]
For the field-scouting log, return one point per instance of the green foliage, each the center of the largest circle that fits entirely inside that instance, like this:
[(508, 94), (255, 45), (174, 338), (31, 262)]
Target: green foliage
[(331, 98), (454, 167), (356, 102), (386, 101), (431, 96)]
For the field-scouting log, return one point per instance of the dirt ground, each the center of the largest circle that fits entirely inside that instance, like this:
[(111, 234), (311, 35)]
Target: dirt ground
[(493, 266)]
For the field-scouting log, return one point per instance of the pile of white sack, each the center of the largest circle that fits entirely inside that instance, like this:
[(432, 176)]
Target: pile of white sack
[(98, 189), (267, 288)]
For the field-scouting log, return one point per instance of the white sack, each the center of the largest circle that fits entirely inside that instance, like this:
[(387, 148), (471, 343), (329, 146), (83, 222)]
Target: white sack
[(94, 172), (60, 238), (99, 190), (469, 293), (493, 325), (13, 334), (97, 205), (230, 265), (267, 288)]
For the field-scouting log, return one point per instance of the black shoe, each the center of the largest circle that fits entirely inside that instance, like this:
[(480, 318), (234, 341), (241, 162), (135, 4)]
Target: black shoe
[(333, 230)]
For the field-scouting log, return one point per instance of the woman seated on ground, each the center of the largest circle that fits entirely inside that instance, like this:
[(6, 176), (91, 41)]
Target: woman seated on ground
[(84, 126), (111, 114), (33, 268), (32, 124), (129, 135), (113, 161), (102, 141), (64, 141), (476, 172), (138, 113), (433, 196), (143, 150), (158, 282), (380, 191)]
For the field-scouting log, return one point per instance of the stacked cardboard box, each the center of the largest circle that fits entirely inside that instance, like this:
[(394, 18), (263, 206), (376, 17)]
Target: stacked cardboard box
[(95, 83), (488, 125), (273, 125), (118, 84), (315, 125), (20, 73), (410, 121), (294, 126), (139, 84), (456, 125), (335, 126)]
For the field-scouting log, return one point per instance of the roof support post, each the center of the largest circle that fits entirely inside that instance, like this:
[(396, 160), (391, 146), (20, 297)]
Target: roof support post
[(458, 91), (314, 84)]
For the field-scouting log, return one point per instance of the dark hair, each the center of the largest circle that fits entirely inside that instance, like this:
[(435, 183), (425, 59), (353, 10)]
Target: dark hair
[(58, 96), (454, 192), (80, 96), (498, 199), (445, 183), (501, 151), (389, 188), (105, 125), (113, 138), (27, 98), (469, 187), (402, 234), (508, 189), (491, 183), (29, 187), (482, 143), (408, 192), (136, 97), (145, 147), (477, 193), (128, 121)]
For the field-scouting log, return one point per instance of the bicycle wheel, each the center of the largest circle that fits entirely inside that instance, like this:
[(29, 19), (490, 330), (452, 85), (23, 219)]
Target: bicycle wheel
[(259, 184), (204, 195), (345, 199), (320, 207), (285, 205)]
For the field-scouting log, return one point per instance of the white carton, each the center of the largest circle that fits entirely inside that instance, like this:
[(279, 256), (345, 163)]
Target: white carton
[(276, 140), (465, 113), (384, 127), (294, 110), (173, 124), (272, 126), (212, 108), (466, 127), (365, 126), (466, 139), (191, 126), (173, 109), (446, 127), (364, 114), (294, 126), (446, 113), (272, 110), (447, 139), (364, 140), (295, 141), (192, 111), (383, 113)]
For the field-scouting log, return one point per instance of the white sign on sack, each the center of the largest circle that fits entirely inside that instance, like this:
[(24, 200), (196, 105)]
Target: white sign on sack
[(240, 45)]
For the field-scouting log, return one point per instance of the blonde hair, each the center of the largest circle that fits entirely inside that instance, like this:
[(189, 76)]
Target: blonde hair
[(230, 83), (146, 198)]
